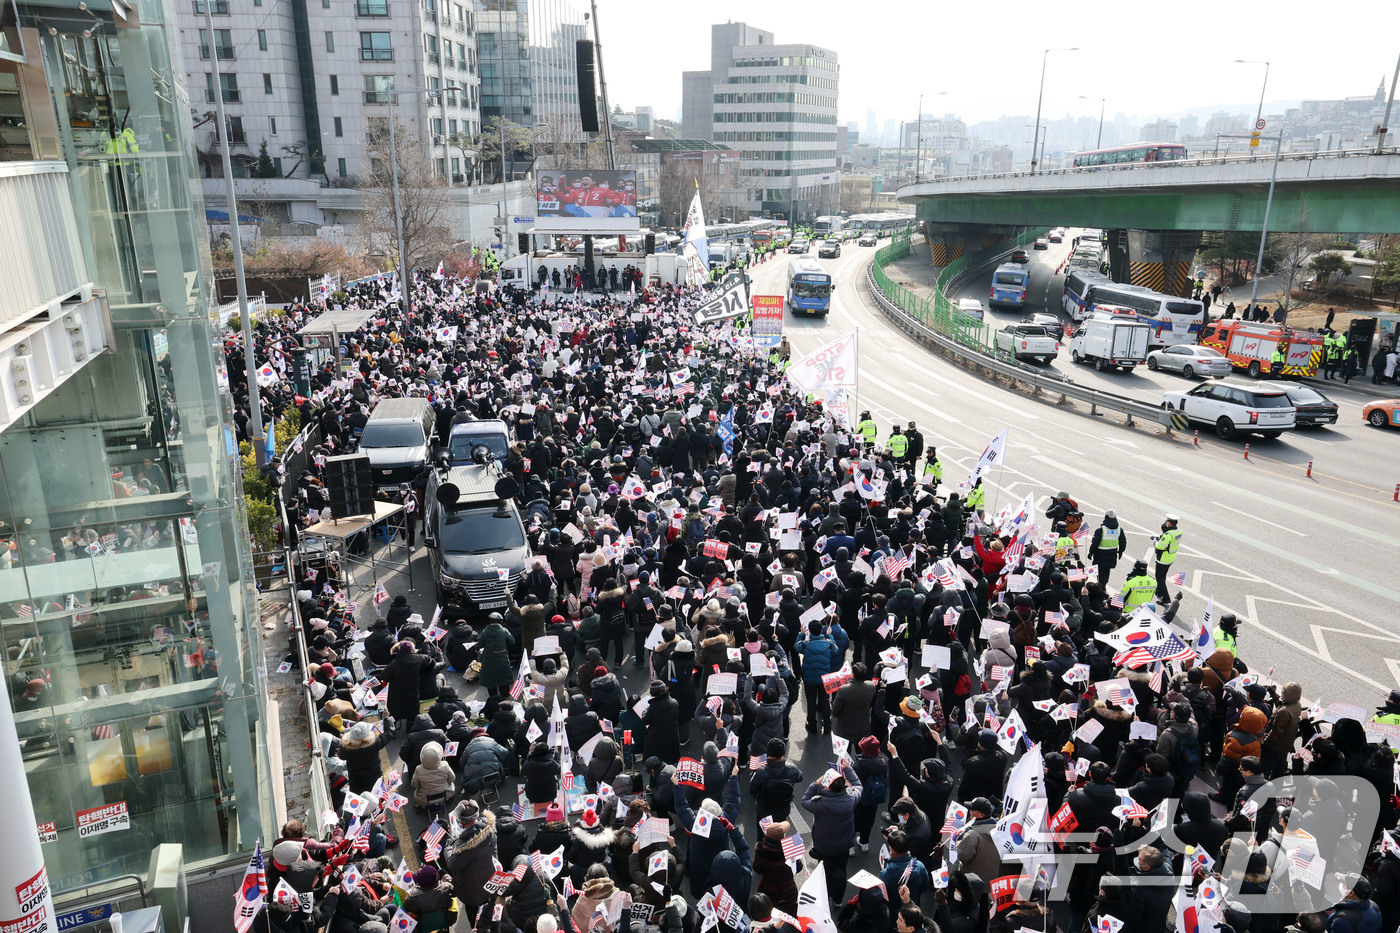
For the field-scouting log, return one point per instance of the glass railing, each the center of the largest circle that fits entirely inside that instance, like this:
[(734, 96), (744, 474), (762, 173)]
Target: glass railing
[(43, 255)]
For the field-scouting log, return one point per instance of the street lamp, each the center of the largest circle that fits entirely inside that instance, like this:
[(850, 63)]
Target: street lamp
[(1258, 114), (407, 277), (919, 140), (1041, 98), (1099, 143)]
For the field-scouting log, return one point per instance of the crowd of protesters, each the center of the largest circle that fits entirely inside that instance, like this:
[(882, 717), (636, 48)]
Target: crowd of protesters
[(730, 570)]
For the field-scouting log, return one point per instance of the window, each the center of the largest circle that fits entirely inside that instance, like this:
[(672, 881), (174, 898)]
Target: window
[(267, 84), (375, 47), (273, 121), (223, 41), (340, 167), (235, 131), (220, 7), (452, 127), (335, 85), (228, 83), (339, 127), (372, 8), (330, 42), (262, 40), (442, 166), (437, 126), (378, 88)]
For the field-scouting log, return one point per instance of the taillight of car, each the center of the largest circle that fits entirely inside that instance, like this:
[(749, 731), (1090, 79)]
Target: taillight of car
[(1254, 417)]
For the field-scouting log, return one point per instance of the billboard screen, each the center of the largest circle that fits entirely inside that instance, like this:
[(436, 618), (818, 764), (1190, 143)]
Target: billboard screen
[(586, 201)]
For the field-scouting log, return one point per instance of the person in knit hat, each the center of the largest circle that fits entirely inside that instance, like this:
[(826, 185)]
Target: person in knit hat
[(588, 847), (775, 875), (430, 897)]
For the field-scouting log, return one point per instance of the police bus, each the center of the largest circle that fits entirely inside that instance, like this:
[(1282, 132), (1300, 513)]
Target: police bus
[(1173, 320), (809, 287), (1009, 283)]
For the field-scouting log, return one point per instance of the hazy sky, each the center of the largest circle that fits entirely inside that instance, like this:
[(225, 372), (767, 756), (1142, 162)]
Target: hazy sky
[(986, 56)]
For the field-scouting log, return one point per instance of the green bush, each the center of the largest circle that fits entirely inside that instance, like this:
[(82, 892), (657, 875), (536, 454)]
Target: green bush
[(262, 525)]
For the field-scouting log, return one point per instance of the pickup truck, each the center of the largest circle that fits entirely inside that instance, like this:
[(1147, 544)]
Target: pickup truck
[(1027, 342)]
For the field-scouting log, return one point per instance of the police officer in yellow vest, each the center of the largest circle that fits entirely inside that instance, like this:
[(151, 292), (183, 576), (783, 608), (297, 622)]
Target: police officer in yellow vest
[(1107, 546), (898, 445), (1390, 712), (122, 143), (1332, 345), (866, 429), (1277, 360), (1137, 589), (933, 468), (1226, 633), (1167, 544), (976, 498)]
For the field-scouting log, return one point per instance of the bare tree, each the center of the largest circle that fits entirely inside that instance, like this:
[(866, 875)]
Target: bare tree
[(519, 148), (1291, 251), (423, 198)]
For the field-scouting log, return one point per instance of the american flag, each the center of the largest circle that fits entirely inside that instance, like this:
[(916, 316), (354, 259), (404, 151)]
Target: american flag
[(25, 610), (380, 594), (955, 819), (104, 732), (1079, 537), (896, 564), (1013, 554), (757, 761), (1155, 679), (361, 841), (1173, 649), (518, 811), (1132, 810), (1120, 696), (1117, 600), (943, 572), (1302, 858), (568, 887), (432, 841), (1001, 672), (794, 847), (1178, 578)]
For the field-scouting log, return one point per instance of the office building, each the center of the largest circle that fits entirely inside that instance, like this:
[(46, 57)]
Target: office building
[(311, 79), (555, 27), (776, 104), (1158, 131), (127, 602)]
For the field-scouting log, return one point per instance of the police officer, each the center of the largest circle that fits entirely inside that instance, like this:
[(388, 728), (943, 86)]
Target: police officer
[(1390, 712), (1064, 544), (933, 468), (916, 444), (1227, 633), (1331, 358), (1277, 360), (1137, 589), (1107, 547), (898, 445), (976, 498), (867, 430), (1167, 544)]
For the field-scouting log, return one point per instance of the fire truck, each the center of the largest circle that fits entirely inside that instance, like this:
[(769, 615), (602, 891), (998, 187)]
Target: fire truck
[(1250, 346)]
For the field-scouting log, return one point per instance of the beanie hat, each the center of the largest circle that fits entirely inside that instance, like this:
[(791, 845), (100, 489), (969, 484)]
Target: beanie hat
[(557, 620), (554, 814), (711, 752), (287, 851), (912, 705), (869, 746), (426, 877), (981, 805), (987, 739), (589, 819)]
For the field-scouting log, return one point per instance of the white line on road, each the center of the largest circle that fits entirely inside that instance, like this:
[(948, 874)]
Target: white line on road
[(1262, 521)]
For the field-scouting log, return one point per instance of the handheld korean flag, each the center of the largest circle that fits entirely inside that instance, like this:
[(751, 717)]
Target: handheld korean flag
[(402, 922), (656, 863), (1012, 731), (252, 894), (350, 878), (267, 376), (813, 907), (993, 455), (1205, 644), (1108, 924)]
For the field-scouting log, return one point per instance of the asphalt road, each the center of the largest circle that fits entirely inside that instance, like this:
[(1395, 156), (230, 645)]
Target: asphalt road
[(1307, 564)]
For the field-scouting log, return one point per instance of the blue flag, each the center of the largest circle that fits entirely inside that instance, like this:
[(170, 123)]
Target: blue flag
[(726, 431)]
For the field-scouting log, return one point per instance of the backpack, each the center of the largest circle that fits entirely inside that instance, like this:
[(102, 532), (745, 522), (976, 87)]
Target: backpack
[(875, 790), (963, 686), (1188, 757), (776, 793), (695, 532)]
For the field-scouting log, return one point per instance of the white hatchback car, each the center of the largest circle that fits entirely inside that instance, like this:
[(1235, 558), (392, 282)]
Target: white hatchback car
[(1235, 408)]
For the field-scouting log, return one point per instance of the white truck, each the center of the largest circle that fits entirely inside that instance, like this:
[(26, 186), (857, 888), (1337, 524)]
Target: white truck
[(1027, 342), (1110, 341)]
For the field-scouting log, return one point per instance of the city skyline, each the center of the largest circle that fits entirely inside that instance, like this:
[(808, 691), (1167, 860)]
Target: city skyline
[(875, 55)]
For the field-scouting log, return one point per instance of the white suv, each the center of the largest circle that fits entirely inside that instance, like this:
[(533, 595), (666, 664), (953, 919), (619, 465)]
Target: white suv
[(971, 307), (1234, 408)]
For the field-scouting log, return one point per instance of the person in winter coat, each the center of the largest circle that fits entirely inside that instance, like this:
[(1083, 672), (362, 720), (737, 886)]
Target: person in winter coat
[(734, 871), (589, 842), (609, 698), (580, 723), (983, 769), (1244, 739), (775, 876), (359, 749), (977, 853), (445, 705), (999, 651), (494, 651), (904, 860), (605, 765), (420, 733), (471, 860), (662, 721), (484, 760), (542, 773), (920, 835), (773, 786), (379, 644), (723, 833), (460, 646), (1117, 726), (850, 708), (433, 777), (873, 769), (403, 675), (551, 674), (612, 609), (1107, 547), (600, 905), (430, 897), (1277, 742), (820, 656), (1148, 900), (553, 833), (511, 840), (832, 802), (1156, 783), (764, 712)]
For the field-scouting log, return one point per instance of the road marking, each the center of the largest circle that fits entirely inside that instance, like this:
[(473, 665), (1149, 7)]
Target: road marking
[(1256, 518), (910, 400)]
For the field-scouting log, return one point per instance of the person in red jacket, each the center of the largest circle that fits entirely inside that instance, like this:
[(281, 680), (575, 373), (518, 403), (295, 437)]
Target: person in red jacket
[(993, 559)]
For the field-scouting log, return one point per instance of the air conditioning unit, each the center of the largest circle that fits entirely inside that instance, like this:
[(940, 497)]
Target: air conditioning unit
[(439, 140)]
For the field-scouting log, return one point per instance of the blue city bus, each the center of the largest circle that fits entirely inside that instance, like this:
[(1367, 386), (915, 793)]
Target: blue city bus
[(1009, 283), (809, 287)]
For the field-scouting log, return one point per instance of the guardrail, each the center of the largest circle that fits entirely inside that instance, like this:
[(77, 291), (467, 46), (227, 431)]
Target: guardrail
[(319, 777), (936, 321)]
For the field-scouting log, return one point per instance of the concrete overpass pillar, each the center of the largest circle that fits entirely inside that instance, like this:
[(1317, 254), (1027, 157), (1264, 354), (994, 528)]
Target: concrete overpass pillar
[(1160, 259)]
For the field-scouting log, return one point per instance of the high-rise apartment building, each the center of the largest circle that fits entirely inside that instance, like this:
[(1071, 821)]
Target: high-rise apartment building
[(776, 104), (312, 79), (127, 601)]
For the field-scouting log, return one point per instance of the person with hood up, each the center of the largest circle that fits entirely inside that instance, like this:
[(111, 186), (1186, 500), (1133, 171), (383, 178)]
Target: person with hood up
[(510, 835), (867, 911), (484, 761), (589, 843), (1244, 739), (765, 711), (977, 852), (999, 651), (1093, 804), (662, 721), (832, 801), (551, 674), (733, 870), (379, 644), (773, 786), (542, 773), (1107, 546), (460, 646), (494, 652), (605, 765), (359, 749), (609, 698), (580, 723), (591, 667), (445, 705), (721, 835), (1277, 742), (420, 733), (528, 898), (404, 677), (600, 905), (471, 857)]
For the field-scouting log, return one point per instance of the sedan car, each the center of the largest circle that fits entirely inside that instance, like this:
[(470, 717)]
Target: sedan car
[(1056, 236), (1383, 413), (1052, 324), (798, 245), (866, 239), (830, 249), (1312, 406), (1191, 361), (971, 307), (1042, 243), (1020, 256)]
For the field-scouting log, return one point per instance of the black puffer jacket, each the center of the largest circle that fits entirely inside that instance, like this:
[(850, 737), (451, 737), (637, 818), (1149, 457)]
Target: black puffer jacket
[(542, 773), (581, 724)]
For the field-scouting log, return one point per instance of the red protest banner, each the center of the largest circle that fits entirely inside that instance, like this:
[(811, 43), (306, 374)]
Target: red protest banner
[(690, 773), (1062, 824), (1004, 891)]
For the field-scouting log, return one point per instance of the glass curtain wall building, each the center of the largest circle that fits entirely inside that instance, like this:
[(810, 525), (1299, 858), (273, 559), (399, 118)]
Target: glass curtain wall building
[(503, 52), (126, 598)]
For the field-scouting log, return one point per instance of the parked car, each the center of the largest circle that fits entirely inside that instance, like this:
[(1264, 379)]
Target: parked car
[(1189, 360), (971, 307), (1052, 324), (1384, 413), (1312, 406), (1042, 243), (1234, 408), (1020, 255)]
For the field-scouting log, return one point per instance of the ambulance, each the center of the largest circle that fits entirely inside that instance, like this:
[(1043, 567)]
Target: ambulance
[(1250, 346)]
